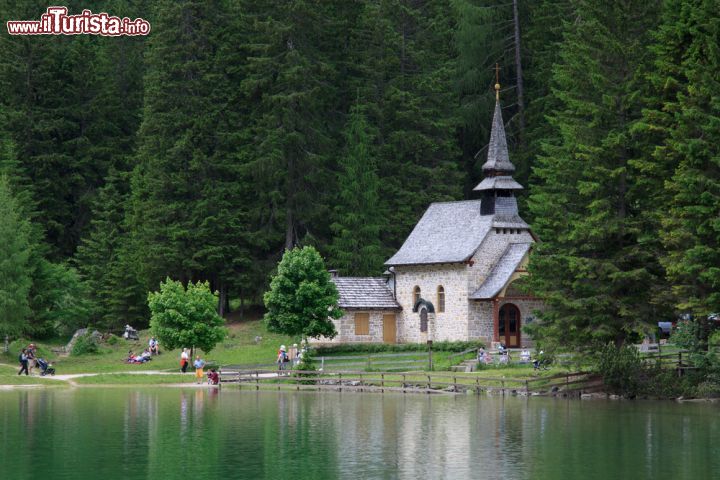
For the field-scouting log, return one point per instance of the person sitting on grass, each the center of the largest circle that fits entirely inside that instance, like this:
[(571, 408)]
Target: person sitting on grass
[(154, 346), (213, 377)]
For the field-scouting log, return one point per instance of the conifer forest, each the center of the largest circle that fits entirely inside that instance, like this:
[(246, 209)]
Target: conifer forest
[(237, 129)]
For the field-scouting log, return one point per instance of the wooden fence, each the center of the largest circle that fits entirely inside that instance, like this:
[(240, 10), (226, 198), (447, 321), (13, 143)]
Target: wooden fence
[(406, 361), (429, 382)]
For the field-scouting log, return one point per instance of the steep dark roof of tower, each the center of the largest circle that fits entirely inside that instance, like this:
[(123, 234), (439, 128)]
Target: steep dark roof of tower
[(498, 158)]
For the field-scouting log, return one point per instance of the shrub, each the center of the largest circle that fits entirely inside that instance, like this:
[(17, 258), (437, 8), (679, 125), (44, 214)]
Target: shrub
[(84, 345), (621, 369), (390, 347), (112, 339)]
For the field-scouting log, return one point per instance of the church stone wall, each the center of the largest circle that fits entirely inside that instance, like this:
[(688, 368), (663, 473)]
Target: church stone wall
[(452, 324), (345, 327), (481, 321)]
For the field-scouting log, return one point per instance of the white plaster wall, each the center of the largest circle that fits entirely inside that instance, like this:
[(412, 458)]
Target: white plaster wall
[(452, 324)]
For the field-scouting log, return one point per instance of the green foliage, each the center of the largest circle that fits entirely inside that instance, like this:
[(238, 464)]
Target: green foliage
[(183, 317), (84, 345), (15, 252), (621, 369), (691, 232), (597, 265), (356, 248), (112, 340), (444, 346), (690, 335), (302, 300), (307, 362), (60, 299)]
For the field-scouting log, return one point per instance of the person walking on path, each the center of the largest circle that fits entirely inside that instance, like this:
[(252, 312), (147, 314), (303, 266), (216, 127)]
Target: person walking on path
[(30, 352), (199, 364), (282, 358), (184, 360), (23, 359)]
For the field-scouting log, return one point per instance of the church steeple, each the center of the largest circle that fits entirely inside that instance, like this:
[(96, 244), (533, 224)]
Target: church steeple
[(498, 185)]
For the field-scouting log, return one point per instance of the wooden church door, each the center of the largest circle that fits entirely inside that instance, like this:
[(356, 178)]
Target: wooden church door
[(509, 325)]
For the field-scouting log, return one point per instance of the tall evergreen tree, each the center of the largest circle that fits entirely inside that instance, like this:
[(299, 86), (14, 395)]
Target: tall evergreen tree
[(188, 196), (690, 122), (592, 267), (402, 60), (356, 248), (15, 253)]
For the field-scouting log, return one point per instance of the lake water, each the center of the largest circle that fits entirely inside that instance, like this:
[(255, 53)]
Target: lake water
[(193, 434)]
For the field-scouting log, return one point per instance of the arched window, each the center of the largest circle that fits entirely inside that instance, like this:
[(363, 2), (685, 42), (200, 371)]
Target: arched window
[(440, 298), (416, 294)]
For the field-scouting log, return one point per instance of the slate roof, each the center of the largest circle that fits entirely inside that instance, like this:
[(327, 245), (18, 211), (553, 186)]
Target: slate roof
[(498, 183), (506, 214), (498, 159), (501, 273), (365, 292), (448, 232)]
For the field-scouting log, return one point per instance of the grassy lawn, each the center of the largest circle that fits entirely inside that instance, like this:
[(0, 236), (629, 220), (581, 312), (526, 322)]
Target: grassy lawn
[(240, 348)]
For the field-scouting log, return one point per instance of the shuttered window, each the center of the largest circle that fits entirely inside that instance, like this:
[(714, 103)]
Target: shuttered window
[(362, 324)]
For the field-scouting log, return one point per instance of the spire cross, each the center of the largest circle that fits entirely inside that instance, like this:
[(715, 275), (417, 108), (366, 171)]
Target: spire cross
[(497, 82)]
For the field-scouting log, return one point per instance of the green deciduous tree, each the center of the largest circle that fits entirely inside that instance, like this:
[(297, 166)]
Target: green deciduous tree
[(186, 317), (302, 300)]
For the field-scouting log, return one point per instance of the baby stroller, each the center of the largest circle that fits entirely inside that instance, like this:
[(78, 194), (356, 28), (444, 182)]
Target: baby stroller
[(45, 367)]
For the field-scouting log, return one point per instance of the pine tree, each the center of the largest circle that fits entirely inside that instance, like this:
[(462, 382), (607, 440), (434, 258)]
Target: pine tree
[(292, 79), (690, 123), (592, 268), (189, 191), (15, 253), (356, 248), (402, 60)]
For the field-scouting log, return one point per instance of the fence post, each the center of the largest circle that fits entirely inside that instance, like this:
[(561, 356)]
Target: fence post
[(322, 363), (340, 379), (403, 383), (477, 385), (368, 362), (429, 385), (382, 382), (430, 363), (257, 379), (527, 387)]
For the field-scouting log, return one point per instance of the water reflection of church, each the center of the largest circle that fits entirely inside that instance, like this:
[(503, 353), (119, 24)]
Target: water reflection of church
[(458, 274)]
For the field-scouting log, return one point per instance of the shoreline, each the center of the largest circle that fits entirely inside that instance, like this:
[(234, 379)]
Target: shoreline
[(68, 383)]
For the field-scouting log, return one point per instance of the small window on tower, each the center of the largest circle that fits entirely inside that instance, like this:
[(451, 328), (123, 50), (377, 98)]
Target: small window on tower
[(440, 299)]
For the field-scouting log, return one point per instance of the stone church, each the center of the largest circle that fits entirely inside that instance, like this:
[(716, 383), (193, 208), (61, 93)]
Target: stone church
[(456, 277)]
